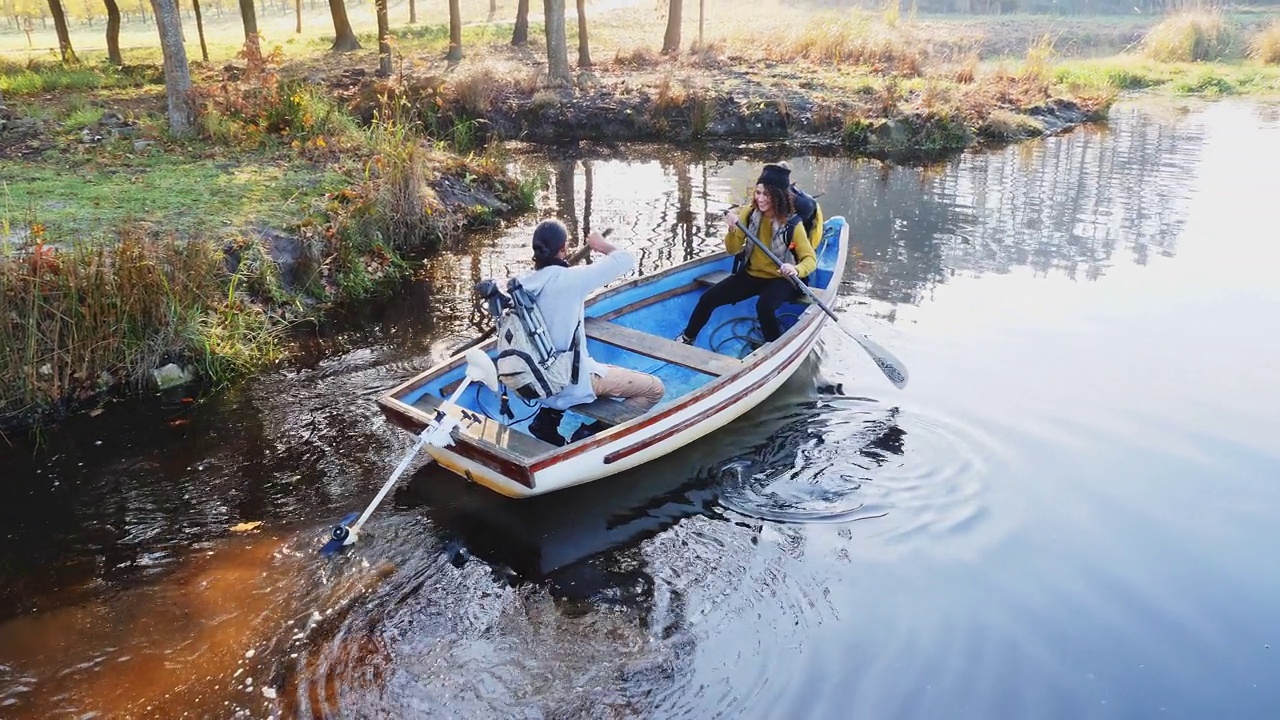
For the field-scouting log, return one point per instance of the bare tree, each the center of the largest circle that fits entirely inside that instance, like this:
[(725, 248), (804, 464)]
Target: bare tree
[(177, 74), (413, 12), (557, 47), (520, 36), (204, 49), (344, 38), (384, 39), (250, 18), (455, 32), (297, 12), (64, 35), (671, 40), (113, 33), (584, 53)]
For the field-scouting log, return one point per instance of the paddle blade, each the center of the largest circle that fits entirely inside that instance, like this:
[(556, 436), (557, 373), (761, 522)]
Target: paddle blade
[(891, 366)]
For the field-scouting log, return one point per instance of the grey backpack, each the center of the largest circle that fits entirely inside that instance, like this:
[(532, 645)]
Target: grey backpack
[(527, 361)]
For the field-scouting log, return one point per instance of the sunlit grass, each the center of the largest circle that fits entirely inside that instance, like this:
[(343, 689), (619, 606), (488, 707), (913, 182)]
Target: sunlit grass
[(191, 197), (19, 79)]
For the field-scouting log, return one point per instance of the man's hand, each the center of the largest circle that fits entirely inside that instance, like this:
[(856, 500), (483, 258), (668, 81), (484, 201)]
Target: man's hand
[(596, 242), (787, 270)]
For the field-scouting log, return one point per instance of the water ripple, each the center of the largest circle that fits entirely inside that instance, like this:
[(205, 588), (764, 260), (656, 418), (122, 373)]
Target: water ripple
[(851, 459)]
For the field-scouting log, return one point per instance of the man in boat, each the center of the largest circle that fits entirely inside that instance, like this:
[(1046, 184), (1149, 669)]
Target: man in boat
[(560, 293), (771, 217)]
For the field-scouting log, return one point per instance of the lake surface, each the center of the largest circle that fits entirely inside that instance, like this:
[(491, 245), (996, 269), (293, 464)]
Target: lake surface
[(1071, 512)]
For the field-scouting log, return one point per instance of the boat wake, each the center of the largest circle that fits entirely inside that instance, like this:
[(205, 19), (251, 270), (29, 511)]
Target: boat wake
[(850, 459)]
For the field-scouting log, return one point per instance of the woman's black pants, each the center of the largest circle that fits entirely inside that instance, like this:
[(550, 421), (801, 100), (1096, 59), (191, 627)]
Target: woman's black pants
[(771, 293)]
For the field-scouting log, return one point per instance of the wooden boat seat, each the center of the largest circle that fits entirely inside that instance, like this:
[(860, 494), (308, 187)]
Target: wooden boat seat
[(607, 410), (712, 278), (660, 348)]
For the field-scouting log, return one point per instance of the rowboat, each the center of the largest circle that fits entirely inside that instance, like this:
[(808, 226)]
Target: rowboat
[(726, 373)]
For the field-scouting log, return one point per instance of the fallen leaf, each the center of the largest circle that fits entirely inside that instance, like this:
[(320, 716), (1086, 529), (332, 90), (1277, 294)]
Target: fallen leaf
[(188, 400), (179, 421), (246, 526), (95, 412)]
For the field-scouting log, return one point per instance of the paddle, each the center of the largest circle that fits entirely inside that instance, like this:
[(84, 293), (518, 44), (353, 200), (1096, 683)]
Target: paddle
[(438, 432), (888, 364)]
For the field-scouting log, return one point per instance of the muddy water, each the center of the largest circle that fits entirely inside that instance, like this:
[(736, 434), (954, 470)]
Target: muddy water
[(1069, 513)]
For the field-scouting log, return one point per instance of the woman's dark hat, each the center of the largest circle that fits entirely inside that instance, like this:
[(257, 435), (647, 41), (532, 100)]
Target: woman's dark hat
[(548, 237), (775, 176)]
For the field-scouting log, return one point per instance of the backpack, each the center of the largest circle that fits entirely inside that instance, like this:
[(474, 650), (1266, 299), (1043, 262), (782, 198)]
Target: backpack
[(527, 361), (806, 210)]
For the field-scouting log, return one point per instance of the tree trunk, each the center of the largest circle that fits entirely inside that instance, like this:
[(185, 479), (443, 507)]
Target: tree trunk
[(671, 41), (557, 47), (113, 33), (455, 32), (250, 18), (204, 49), (64, 35), (384, 39), (413, 12), (584, 52), (344, 38), (297, 11), (177, 74), (520, 36)]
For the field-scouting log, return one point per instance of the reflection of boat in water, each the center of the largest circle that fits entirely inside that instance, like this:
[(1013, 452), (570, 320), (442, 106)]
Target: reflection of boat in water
[(561, 539), (709, 384)]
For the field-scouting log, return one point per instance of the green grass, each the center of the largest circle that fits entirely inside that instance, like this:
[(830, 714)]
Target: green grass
[(189, 197), (1130, 73), (41, 77)]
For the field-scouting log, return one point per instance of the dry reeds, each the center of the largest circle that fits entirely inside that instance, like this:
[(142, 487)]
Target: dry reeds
[(1190, 36), (82, 319), (1265, 45), (853, 39)]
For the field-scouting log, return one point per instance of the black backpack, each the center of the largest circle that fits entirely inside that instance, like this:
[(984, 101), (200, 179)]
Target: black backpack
[(806, 210)]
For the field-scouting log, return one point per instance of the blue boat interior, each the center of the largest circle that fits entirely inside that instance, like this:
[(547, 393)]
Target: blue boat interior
[(635, 329)]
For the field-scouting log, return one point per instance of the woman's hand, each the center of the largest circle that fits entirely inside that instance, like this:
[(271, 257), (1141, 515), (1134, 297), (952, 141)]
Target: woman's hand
[(730, 220), (787, 270)]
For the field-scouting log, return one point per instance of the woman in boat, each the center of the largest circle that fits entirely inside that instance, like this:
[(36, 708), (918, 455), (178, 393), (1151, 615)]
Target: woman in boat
[(560, 293), (767, 218)]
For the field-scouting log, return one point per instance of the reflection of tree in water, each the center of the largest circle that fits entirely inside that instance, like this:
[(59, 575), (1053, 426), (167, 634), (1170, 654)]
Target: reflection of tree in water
[(1066, 205)]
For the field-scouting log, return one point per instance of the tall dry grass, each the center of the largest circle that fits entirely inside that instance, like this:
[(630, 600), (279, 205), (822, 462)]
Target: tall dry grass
[(1265, 45), (851, 39), (1190, 36), (85, 318)]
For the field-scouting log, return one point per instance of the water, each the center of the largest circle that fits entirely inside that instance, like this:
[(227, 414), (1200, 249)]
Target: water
[(1070, 512)]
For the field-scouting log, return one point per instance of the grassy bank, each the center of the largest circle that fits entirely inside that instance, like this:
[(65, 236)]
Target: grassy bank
[(122, 249), (311, 179)]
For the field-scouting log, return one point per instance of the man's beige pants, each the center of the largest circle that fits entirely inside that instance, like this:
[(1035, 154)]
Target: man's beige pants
[(639, 391)]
